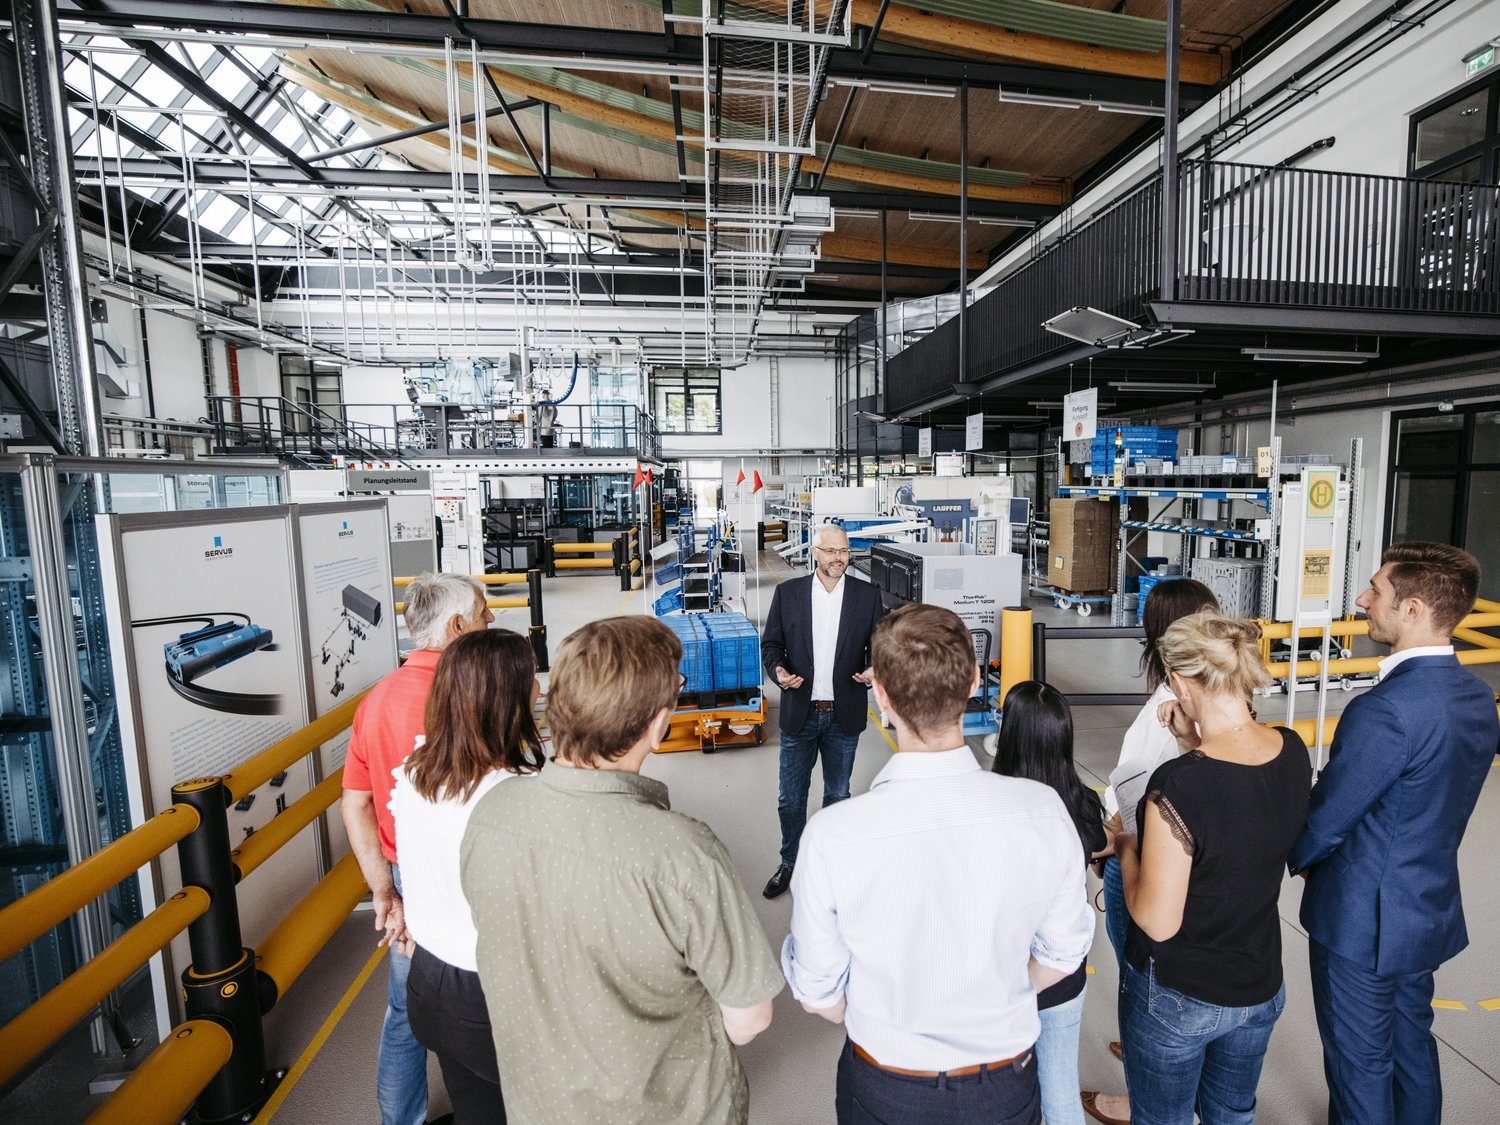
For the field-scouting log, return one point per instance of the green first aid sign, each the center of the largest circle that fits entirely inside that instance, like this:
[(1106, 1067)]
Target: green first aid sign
[(1321, 487)]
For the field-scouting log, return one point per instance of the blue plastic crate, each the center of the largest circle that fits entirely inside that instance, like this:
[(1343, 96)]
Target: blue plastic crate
[(697, 658), (736, 651), (669, 602)]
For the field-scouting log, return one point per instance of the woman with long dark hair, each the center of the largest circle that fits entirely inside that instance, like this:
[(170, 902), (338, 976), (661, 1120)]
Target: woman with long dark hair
[(1147, 744), (1036, 743), (480, 732)]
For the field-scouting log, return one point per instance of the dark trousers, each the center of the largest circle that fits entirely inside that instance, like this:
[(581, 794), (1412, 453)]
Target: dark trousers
[(820, 735), (1379, 1055), (446, 1008), (867, 1095)]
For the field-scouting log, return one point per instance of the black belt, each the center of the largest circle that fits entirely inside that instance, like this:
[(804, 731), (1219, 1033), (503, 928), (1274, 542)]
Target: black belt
[(822, 704)]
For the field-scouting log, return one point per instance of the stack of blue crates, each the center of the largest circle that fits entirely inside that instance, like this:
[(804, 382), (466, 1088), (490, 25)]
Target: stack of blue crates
[(1141, 442), (736, 650), (697, 661)]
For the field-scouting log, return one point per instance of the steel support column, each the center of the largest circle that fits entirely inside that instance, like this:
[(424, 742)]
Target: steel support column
[(70, 735), (1169, 183), (63, 277)]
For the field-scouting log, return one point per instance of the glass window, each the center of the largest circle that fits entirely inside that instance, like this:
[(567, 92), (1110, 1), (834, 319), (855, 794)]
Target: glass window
[(1429, 443), (1486, 438), (1424, 508), (1452, 129), (688, 400), (1482, 536)]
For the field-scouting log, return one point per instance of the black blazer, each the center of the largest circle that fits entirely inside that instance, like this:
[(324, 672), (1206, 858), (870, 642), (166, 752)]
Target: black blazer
[(786, 641)]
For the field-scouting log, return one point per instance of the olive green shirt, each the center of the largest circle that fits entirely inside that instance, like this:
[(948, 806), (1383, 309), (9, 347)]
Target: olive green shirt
[(610, 931)]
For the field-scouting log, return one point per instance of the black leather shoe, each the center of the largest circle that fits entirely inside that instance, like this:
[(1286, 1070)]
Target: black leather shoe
[(779, 882)]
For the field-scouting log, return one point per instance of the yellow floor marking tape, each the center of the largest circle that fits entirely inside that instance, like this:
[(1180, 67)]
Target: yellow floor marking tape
[(299, 1068), (621, 606), (1491, 1005), (891, 742), (1451, 1005), (1089, 970)]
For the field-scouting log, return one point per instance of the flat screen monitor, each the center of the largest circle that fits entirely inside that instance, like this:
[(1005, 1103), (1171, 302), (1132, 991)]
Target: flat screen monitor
[(1020, 509)]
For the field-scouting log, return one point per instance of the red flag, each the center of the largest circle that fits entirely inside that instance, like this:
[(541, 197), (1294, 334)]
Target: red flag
[(741, 478), (648, 476), (759, 484), (639, 477)]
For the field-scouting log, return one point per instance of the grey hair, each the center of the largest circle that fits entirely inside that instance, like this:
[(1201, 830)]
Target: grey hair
[(432, 600), (824, 529)]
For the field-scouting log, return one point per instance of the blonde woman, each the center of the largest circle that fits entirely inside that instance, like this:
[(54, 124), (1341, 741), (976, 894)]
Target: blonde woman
[(1201, 987)]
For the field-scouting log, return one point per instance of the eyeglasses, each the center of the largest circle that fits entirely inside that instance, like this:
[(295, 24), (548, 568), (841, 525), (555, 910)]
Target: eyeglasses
[(837, 552)]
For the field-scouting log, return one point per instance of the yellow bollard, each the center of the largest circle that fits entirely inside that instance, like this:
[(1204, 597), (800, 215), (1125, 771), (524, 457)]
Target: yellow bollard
[(1015, 648)]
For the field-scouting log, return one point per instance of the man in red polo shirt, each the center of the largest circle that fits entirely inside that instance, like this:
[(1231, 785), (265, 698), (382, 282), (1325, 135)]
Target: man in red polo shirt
[(439, 607)]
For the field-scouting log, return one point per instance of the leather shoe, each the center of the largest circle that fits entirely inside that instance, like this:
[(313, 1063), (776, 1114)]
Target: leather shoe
[(1117, 1050), (1089, 1098), (779, 882)]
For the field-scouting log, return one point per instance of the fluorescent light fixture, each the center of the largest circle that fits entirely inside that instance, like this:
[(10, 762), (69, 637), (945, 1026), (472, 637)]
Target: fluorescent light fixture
[(1307, 355), (1126, 107), (903, 88), (967, 389), (1090, 326), (1042, 405), (1049, 100), (977, 220), (1146, 386), (856, 213)]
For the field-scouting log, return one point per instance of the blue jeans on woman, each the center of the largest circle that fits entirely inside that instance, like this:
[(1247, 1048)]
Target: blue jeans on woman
[(1183, 1054), (1057, 1061), (401, 1076), (1116, 917)]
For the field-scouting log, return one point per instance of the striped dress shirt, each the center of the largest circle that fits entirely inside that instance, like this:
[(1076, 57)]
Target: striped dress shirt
[(921, 903)]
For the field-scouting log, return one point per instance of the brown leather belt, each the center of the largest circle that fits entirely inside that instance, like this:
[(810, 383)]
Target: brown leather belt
[(822, 704), (960, 1072)]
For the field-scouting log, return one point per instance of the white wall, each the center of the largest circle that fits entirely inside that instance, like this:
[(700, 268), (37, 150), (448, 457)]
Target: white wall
[(805, 412), (1368, 109)]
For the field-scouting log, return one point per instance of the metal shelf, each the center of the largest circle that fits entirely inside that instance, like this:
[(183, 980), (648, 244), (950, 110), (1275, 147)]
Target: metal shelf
[(1201, 532), (1252, 495)]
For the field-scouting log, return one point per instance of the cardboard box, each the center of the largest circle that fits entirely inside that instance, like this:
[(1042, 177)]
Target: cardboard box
[(1084, 545)]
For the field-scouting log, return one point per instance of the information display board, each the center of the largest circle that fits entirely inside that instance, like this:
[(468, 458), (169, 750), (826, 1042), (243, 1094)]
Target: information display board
[(348, 616), (204, 625)]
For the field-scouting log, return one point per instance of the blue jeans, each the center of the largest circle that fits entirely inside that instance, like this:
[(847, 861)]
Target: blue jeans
[(1116, 917), (819, 735), (1057, 1061), (1183, 1054), (1379, 1055), (867, 1095), (401, 1080)]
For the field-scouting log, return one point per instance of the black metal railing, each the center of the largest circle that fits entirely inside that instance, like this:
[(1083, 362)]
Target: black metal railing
[(279, 427), (386, 431), (1337, 240), (1247, 235)]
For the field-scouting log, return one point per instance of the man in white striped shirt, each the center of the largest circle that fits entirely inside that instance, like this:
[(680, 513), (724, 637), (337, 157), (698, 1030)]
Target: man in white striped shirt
[(928, 912)]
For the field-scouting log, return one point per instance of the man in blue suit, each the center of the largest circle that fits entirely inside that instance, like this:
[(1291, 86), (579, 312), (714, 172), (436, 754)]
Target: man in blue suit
[(1380, 850), (816, 646)]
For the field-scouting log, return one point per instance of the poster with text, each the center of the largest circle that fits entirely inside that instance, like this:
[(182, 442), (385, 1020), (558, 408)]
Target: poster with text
[(974, 432), (1081, 414), (349, 618), (204, 625)]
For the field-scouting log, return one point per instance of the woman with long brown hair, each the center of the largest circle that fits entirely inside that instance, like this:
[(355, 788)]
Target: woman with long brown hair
[(480, 732)]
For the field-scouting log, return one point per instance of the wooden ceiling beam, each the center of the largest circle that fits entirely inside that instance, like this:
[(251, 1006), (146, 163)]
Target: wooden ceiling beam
[(1049, 195), (952, 35)]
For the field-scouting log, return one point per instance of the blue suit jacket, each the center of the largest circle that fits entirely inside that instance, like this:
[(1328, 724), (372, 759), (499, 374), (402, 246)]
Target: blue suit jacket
[(1387, 815)]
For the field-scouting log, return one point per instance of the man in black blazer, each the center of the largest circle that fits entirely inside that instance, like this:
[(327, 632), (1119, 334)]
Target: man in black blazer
[(816, 646)]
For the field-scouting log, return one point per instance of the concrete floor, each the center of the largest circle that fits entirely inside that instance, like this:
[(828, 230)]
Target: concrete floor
[(791, 1066)]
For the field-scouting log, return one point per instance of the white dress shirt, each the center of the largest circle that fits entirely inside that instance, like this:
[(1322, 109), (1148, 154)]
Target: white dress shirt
[(437, 913), (827, 609), (1389, 664), (1147, 745), (921, 902)]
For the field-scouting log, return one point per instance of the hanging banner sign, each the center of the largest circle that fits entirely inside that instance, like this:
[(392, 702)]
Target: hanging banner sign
[(924, 442), (974, 432), (1081, 414)]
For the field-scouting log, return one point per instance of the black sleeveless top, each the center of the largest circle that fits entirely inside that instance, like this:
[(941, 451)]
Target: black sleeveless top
[(1238, 823)]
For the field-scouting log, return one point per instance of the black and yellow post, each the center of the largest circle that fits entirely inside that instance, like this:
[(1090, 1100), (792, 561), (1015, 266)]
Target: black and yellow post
[(221, 984), (538, 631)]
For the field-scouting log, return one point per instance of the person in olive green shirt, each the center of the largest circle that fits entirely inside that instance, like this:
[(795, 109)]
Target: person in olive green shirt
[(619, 954)]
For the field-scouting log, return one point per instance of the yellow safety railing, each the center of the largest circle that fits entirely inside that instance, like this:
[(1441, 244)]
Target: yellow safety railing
[(187, 1062), (532, 580), (1281, 630), (594, 547)]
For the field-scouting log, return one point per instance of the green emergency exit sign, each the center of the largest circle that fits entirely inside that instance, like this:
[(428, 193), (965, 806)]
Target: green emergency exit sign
[(1478, 61)]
